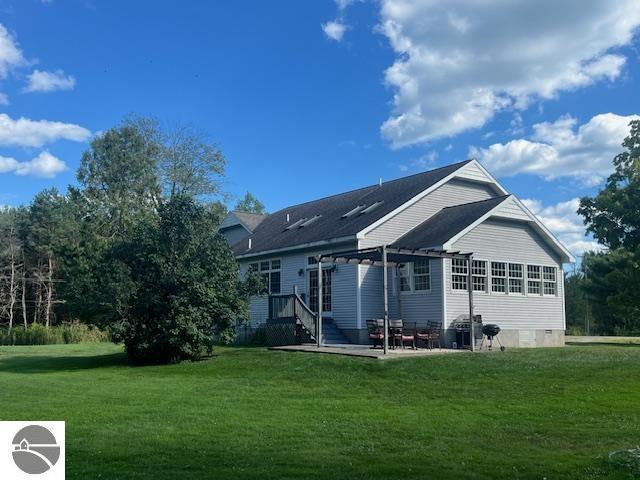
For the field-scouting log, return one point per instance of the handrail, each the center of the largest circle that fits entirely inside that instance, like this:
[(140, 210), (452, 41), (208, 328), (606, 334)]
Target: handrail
[(293, 306)]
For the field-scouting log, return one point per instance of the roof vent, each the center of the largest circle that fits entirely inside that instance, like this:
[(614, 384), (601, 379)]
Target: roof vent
[(296, 223), (287, 218), (371, 208), (354, 211), (310, 221)]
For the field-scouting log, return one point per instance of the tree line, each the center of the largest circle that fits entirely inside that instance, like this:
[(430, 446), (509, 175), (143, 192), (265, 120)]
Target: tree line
[(132, 247), (603, 294)]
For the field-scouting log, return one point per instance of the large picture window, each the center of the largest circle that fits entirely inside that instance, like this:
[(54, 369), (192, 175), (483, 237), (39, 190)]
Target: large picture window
[(269, 270)]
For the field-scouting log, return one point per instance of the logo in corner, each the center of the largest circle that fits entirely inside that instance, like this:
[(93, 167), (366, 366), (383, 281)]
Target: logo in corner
[(35, 450)]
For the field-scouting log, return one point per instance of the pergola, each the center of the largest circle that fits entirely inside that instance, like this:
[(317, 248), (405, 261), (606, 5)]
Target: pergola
[(384, 257)]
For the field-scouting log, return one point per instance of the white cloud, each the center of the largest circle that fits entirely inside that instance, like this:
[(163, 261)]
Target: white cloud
[(4, 99), (563, 220), (24, 132), (421, 163), (559, 149), (41, 81), (461, 61), (334, 29), (10, 55), (44, 165)]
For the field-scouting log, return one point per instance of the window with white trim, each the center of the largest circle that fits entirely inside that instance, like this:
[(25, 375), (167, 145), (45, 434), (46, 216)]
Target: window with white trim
[(533, 280), (422, 275), (479, 275), (516, 278), (269, 270), (459, 274), (550, 280), (499, 277), (415, 276)]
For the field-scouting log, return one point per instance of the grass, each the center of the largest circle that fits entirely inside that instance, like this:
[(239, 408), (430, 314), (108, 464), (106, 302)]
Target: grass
[(258, 414)]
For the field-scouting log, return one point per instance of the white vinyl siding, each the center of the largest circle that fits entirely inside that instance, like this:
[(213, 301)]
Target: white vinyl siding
[(454, 192), (519, 247)]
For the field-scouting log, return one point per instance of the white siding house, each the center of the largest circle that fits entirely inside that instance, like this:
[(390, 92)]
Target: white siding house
[(517, 267)]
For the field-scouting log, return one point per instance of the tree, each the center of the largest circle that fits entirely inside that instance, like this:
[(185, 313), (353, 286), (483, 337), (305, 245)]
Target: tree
[(118, 177), (612, 278), (613, 216), (250, 204), (190, 165), (11, 267), (183, 285)]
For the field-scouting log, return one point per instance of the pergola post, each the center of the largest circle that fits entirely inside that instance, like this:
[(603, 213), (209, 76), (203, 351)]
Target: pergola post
[(319, 323), (472, 339), (386, 299)]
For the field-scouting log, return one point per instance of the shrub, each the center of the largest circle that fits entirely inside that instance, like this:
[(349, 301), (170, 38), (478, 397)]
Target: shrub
[(38, 334)]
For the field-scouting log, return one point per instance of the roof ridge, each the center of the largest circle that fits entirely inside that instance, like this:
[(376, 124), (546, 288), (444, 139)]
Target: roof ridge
[(376, 185)]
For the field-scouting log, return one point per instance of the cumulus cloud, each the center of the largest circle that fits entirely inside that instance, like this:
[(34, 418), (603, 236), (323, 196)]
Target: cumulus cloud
[(559, 149), (45, 165), (10, 54), (42, 81), (563, 220), (24, 132), (460, 62), (334, 29)]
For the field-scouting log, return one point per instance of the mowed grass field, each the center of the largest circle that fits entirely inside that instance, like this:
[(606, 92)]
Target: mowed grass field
[(258, 414)]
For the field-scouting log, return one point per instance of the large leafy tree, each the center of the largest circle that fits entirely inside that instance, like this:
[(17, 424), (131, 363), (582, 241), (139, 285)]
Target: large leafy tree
[(250, 204), (183, 286), (612, 278)]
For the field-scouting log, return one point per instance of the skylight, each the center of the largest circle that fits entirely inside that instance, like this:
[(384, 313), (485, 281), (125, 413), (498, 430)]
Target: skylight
[(296, 223), (371, 208), (310, 221), (353, 211)]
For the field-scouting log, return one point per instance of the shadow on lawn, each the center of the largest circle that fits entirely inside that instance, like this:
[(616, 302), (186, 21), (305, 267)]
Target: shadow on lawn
[(45, 363)]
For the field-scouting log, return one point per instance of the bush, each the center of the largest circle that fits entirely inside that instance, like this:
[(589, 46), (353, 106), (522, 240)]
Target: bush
[(37, 334)]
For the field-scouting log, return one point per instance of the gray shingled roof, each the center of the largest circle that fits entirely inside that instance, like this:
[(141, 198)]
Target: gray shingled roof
[(445, 224), (271, 234), (251, 220)]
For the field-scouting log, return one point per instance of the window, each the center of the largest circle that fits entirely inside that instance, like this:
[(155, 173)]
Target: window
[(533, 279), (550, 280), (499, 277), (421, 275), (270, 272), (515, 278), (306, 223), (404, 278), (414, 276), (479, 275), (458, 274)]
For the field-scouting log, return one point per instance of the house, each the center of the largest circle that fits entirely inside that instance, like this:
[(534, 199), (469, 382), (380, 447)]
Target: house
[(516, 271)]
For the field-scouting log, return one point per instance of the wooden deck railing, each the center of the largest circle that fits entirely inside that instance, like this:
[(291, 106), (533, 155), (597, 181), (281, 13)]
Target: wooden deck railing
[(293, 306)]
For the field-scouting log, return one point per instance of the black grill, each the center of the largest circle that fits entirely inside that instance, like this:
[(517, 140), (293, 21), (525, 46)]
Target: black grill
[(491, 329)]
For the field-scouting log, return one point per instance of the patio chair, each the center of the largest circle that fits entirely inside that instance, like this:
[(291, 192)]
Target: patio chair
[(375, 329), (430, 335), (401, 333)]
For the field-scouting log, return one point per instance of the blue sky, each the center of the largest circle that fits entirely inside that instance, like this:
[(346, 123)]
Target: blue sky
[(312, 98)]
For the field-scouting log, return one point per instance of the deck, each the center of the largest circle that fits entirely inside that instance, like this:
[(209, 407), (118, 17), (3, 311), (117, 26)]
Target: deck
[(367, 352)]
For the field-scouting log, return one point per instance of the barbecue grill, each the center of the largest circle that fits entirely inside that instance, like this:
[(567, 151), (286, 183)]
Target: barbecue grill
[(489, 332), (463, 330)]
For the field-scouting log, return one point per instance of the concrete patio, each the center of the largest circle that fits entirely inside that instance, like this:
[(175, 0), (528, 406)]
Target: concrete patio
[(367, 352)]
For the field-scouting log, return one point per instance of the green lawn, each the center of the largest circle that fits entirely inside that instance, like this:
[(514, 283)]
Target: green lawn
[(253, 413)]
